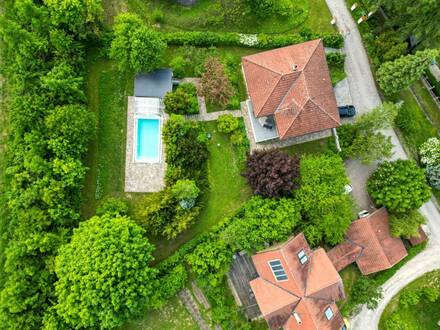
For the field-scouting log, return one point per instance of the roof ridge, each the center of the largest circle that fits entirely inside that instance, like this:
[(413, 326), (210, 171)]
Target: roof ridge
[(304, 301), (290, 269), (313, 53), (380, 242), (262, 66), (324, 111), (288, 91), (370, 228), (280, 287)]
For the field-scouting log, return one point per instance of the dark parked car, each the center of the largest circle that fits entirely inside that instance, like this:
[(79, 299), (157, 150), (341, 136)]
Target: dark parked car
[(347, 111)]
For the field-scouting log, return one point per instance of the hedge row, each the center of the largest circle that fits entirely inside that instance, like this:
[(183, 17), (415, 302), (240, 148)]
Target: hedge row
[(207, 39)]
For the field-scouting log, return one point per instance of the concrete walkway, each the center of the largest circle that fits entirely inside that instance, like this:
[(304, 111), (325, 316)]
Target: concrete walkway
[(365, 97)]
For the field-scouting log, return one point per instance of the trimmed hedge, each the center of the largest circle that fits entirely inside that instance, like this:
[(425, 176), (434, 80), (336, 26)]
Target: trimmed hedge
[(208, 39)]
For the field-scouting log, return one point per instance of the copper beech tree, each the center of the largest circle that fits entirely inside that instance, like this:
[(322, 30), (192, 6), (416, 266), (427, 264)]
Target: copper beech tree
[(215, 85), (272, 173)]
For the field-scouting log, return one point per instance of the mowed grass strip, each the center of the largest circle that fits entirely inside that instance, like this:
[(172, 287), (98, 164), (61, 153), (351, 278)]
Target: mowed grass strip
[(424, 315), (107, 91)]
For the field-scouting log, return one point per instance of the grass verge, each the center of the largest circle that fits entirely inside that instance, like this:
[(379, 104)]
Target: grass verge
[(424, 315)]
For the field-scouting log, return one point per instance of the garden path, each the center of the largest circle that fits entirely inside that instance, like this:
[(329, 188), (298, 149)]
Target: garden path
[(190, 304), (365, 97)]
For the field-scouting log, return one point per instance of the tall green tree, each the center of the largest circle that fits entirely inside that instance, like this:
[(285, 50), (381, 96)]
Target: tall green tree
[(401, 73), (80, 16), (104, 273), (326, 208), (400, 186), (135, 46), (420, 18), (262, 221)]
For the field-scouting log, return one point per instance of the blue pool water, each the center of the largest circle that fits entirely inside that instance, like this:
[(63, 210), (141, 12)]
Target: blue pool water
[(147, 149)]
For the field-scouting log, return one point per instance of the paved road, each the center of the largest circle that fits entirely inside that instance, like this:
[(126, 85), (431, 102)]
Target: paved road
[(365, 97)]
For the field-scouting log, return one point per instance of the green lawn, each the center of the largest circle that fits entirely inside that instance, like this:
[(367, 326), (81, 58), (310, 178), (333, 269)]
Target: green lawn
[(172, 316), (208, 15), (107, 91), (312, 147), (428, 104), (416, 128), (422, 316)]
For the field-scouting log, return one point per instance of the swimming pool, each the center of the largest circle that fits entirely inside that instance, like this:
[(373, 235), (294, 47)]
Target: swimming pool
[(148, 139)]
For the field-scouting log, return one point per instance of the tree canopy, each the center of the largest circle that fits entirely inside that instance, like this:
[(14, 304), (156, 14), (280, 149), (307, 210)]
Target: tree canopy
[(135, 46), (262, 221), (272, 173), (420, 18), (396, 75), (400, 186), (325, 207), (104, 273)]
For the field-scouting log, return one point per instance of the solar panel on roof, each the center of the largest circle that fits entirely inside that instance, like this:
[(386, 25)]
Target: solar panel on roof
[(278, 270)]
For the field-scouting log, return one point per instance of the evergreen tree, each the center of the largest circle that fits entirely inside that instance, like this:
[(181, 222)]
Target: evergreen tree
[(401, 73)]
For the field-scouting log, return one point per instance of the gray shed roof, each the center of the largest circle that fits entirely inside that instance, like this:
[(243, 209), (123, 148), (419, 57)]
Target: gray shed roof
[(153, 84)]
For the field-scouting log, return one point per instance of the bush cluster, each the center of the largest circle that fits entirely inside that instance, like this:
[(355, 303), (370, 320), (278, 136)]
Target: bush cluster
[(325, 207), (234, 127), (265, 41), (174, 209), (430, 157), (43, 62), (182, 101), (400, 186)]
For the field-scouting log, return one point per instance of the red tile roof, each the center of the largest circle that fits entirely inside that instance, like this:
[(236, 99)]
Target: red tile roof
[(416, 240), (293, 84), (300, 301), (380, 250), (344, 254)]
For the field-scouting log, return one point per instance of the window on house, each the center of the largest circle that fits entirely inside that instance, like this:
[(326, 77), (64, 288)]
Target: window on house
[(278, 270), (302, 257), (328, 313)]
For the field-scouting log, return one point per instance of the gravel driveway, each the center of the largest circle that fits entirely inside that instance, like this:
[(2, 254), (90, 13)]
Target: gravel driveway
[(365, 97)]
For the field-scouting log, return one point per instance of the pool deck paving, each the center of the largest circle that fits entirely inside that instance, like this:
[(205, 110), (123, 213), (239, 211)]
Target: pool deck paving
[(142, 177)]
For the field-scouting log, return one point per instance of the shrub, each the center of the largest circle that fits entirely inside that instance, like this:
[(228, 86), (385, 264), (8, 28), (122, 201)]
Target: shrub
[(395, 322), (262, 221), (112, 206), (182, 101), (186, 192), (186, 150), (430, 152), (335, 59), (158, 15), (366, 291), (210, 260), (409, 298), (433, 175), (162, 215), (85, 299), (272, 173), (214, 84), (407, 224), (227, 123), (325, 207), (178, 64), (400, 186), (266, 41)]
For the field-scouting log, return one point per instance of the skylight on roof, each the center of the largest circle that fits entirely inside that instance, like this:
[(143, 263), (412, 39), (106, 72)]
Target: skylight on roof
[(328, 313), (302, 257), (278, 270)]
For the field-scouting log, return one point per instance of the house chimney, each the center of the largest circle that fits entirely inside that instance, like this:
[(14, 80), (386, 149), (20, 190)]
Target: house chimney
[(294, 67)]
